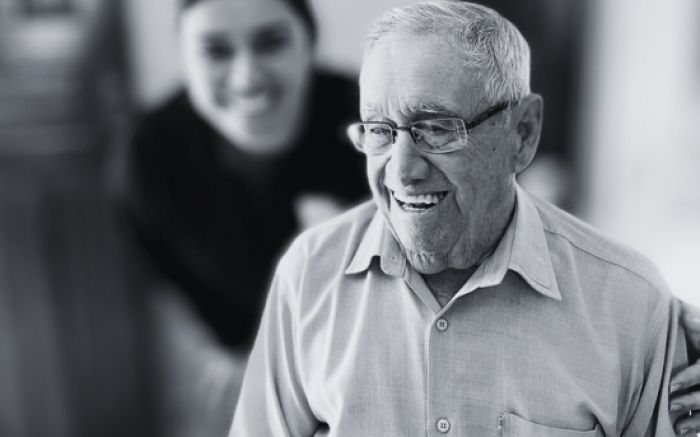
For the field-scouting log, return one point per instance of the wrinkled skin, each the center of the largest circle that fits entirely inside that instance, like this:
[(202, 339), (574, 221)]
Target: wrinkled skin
[(405, 78)]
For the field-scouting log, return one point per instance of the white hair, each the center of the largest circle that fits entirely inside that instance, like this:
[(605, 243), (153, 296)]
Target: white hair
[(491, 44)]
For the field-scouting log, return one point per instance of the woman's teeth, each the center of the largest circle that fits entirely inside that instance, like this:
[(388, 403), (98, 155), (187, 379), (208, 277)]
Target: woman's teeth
[(253, 104)]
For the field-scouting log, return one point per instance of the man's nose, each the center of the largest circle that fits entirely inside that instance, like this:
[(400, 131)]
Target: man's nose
[(246, 73), (406, 162)]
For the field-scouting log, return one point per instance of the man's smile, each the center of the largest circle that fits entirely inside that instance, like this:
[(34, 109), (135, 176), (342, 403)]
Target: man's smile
[(418, 202)]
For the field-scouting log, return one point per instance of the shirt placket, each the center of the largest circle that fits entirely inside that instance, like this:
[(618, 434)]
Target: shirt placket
[(444, 413)]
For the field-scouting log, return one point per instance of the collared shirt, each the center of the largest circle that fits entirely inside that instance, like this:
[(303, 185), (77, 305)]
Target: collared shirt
[(559, 332)]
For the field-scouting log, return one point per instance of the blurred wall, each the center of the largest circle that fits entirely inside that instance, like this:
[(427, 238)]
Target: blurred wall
[(343, 24), (640, 142), (151, 45), (69, 354)]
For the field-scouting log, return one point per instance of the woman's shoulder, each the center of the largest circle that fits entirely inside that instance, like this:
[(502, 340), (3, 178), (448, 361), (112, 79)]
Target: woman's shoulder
[(336, 93), (173, 114), (171, 129), (328, 79)]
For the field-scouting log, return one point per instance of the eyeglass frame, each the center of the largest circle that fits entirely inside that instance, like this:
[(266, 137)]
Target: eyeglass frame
[(468, 125)]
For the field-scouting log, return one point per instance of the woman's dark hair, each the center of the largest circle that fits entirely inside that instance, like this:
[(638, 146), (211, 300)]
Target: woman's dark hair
[(300, 7)]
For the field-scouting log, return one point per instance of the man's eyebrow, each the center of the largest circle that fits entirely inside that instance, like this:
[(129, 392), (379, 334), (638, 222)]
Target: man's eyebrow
[(431, 108)]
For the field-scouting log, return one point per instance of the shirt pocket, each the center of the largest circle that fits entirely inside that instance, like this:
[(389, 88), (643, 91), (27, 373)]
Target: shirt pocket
[(510, 425)]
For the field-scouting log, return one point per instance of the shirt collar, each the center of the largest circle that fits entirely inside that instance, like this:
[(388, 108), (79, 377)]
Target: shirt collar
[(530, 256), (522, 249), (378, 242)]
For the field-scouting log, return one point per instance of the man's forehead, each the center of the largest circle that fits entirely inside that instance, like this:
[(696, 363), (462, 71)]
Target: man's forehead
[(418, 75)]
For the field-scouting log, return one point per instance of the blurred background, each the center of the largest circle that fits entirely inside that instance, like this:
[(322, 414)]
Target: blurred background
[(620, 149)]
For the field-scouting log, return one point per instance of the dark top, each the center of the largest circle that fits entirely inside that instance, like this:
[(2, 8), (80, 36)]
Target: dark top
[(214, 219)]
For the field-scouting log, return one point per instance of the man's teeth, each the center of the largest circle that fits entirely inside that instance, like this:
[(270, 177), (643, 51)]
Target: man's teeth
[(421, 200)]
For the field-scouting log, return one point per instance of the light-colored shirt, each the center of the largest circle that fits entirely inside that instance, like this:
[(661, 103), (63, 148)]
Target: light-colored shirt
[(559, 333)]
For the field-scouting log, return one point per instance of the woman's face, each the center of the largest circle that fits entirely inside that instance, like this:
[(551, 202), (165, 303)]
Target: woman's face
[(247, 67)]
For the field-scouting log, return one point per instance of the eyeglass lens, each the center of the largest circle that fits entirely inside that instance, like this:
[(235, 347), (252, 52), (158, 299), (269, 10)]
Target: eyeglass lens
[(437, 134)]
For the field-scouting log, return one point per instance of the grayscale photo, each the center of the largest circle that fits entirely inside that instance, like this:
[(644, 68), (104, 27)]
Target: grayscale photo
[(310, 218)]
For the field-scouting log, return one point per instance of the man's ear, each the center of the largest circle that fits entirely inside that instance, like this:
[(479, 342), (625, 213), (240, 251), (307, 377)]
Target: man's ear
[(527, 118)]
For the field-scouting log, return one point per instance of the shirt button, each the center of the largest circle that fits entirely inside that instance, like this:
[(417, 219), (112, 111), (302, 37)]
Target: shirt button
[(443, 425), (441, 325)]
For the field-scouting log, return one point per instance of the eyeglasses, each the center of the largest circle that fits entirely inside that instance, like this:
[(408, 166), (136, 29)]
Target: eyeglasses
[(437, 135)]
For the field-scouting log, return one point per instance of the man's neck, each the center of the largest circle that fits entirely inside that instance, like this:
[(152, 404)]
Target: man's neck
[(446, 284)]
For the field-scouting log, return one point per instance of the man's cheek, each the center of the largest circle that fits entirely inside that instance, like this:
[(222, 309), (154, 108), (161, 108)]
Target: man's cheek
[(375, 176)]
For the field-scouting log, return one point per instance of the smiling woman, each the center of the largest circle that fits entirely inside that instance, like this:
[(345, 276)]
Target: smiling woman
[(220, 177), (247, 66)]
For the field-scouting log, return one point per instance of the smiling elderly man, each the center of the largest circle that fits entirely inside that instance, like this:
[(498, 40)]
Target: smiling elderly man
[(456, 303)]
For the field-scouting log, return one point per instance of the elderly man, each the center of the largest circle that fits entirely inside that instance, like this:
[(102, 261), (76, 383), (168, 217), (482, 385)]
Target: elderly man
[(456, 303)]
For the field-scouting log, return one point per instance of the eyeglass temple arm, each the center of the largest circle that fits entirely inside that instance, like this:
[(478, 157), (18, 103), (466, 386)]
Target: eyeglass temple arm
[(486, 115)]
